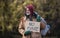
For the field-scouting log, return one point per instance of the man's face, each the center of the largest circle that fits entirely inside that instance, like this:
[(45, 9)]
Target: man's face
[(27, 11)]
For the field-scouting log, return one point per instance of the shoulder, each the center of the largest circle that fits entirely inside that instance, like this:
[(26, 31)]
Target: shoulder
[(23, 18)]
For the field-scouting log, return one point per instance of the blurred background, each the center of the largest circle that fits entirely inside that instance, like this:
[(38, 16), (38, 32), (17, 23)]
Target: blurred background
[(12, 10)]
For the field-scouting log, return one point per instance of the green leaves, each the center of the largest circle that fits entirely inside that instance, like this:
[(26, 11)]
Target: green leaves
[(12, 10)]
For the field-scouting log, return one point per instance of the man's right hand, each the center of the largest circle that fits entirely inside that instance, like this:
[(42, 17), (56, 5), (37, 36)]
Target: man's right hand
[(21, 31)]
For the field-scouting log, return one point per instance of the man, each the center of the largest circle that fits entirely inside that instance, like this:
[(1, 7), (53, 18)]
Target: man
[(30, 15)]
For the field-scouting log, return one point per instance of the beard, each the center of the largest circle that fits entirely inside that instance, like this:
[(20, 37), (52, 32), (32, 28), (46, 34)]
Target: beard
[(27, 15)]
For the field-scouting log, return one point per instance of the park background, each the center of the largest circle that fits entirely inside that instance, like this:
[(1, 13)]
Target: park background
[(12, 10)]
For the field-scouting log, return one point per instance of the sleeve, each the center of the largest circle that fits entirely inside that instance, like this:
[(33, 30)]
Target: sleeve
[(21, 27)]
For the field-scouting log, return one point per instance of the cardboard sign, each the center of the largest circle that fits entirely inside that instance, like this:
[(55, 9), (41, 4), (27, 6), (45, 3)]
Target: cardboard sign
[(32, 26)]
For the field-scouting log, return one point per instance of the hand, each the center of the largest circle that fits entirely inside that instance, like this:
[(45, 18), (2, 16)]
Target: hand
[(21, 31)]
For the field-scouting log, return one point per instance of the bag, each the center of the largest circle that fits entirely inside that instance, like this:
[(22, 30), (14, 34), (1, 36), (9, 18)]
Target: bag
[(44, 31)]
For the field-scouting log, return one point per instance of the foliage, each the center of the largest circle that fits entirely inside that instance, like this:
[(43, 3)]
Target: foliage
[(12, 10)]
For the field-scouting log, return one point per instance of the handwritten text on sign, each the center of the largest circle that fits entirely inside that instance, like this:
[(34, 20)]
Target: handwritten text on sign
[(32, 26)]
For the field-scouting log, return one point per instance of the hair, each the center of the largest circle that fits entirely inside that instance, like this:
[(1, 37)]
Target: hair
[(31, 8)]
